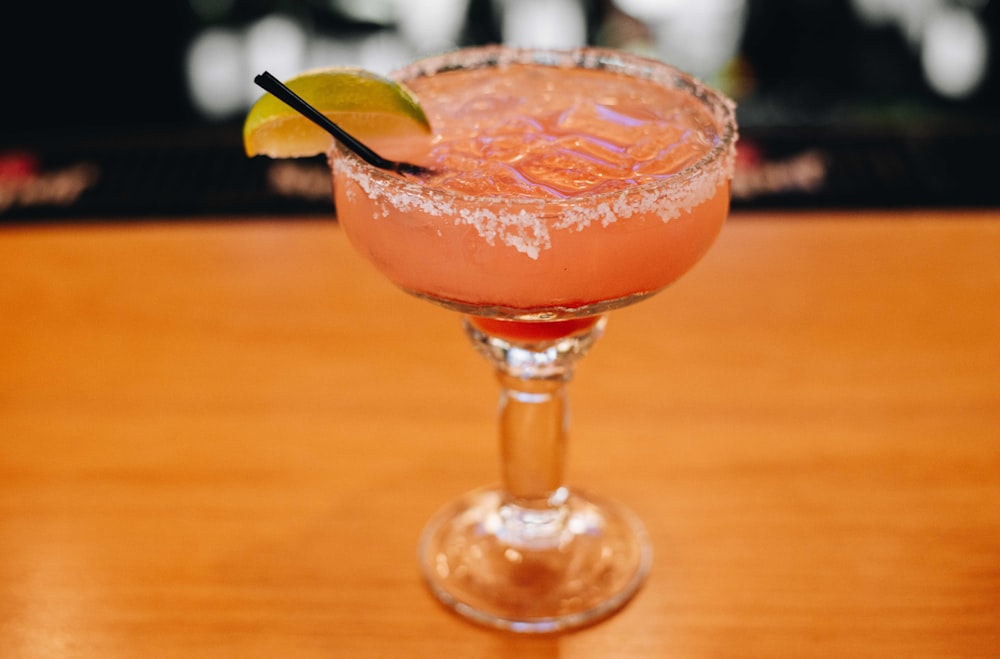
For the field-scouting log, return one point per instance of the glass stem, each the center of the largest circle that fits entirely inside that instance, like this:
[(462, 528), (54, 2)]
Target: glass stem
[(533, 427), (533, 424)]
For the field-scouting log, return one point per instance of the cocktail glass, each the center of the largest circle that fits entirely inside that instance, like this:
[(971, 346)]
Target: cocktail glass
[(533, 278)]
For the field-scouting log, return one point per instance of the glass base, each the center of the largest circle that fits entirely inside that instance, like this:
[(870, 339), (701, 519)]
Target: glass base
[(534, 569)]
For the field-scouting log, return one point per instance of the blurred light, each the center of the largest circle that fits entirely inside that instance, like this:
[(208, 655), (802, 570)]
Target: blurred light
[(650, 10), (278, 44), (909, 16), (954, 53), (371, 11), (379, 52), (330, 51), (952, 42), (431, 25), (382, 52), (543, 23), (699, 37), (216, 72)]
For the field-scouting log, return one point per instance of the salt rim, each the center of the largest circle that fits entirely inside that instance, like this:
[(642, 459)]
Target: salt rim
[(524, 222)]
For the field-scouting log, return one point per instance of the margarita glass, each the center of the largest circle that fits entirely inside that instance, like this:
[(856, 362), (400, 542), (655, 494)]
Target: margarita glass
[(564, 184)]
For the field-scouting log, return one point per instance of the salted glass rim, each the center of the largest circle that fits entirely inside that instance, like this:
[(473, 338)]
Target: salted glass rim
[(719, 160)]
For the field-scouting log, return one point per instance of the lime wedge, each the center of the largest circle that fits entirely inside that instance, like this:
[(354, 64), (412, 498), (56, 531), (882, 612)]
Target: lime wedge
[(379, 112)]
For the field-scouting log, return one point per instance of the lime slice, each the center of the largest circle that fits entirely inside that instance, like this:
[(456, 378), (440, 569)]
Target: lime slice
[(379, 112)]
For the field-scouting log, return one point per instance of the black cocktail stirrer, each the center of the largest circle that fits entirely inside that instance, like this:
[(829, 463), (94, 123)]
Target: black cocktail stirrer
[(269, 83)]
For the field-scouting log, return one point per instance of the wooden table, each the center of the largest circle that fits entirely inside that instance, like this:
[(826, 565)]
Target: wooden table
[(221, 439)]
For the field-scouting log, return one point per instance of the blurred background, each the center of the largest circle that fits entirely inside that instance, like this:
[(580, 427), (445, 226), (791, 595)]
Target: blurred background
[(134, 109)]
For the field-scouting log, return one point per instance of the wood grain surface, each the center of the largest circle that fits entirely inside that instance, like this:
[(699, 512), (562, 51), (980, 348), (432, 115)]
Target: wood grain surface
[(222, 439)]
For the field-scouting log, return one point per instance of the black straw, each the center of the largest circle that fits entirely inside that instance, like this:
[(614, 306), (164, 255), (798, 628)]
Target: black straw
[(297, 103)]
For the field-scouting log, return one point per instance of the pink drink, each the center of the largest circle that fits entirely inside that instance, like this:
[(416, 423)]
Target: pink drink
[(558, 192), (564, 185)]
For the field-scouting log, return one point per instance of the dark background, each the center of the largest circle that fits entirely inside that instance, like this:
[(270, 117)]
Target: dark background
[(835, 110)]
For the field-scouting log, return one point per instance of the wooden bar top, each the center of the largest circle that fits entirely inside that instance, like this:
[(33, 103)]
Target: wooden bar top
[(222, 439)]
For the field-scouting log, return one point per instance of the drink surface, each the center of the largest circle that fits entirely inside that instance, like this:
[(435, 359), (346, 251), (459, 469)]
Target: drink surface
[(558, 190), (558, 133)]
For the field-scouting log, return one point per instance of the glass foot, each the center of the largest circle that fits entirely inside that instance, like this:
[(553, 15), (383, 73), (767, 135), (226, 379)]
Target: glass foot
[(559, 566)]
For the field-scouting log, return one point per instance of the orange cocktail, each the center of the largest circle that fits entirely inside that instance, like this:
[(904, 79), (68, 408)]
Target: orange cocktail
[(559, 190)]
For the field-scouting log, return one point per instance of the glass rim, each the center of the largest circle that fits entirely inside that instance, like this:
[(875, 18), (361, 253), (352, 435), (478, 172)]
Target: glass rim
[(720, 159)]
